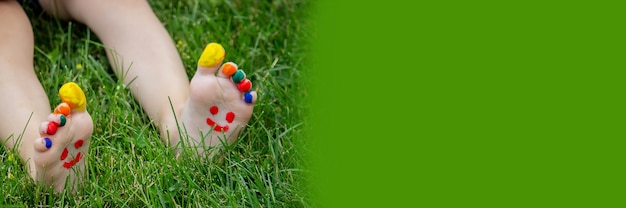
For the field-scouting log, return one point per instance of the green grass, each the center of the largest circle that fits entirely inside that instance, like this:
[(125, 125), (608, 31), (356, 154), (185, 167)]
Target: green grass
[(129, 165)]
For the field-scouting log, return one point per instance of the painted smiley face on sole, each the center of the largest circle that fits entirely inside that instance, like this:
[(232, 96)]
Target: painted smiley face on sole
[(73, 161), (230, 116)]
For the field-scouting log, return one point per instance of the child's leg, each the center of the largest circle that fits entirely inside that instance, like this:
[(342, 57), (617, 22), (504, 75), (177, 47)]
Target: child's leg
[(23, 97), (20, 90), (140, 43), (149, 59)]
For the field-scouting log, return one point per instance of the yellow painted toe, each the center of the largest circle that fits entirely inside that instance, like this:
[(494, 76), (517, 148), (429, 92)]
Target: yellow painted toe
[(71, 94), (212, 55)]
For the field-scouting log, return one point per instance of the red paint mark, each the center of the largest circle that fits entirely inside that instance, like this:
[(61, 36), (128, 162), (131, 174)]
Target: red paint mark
[(217, 127), (244, 85), (230, 116), (220, 128), (73, 162), (52, 128), (69, 164), (213, 110), (78, 144), (64, 154)]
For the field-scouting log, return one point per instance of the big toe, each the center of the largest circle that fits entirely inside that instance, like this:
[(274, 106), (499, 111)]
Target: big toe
[(211, 58)]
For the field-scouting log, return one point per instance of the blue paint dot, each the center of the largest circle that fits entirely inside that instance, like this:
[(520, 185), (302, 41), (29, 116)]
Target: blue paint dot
[(247, 97), (48, 142)]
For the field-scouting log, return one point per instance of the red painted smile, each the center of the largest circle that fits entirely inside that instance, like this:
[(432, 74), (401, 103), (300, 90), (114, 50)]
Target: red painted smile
[(72, 162), (230, 116)]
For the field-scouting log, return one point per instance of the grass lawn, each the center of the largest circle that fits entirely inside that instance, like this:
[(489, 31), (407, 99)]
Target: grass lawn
[(129, 165)]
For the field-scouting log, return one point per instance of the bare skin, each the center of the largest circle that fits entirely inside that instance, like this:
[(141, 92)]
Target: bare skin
[(209, 109), (61, 149), (216, 110), (29, 104)]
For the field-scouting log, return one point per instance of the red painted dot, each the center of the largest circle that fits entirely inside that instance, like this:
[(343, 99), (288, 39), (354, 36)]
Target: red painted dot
[(52, 128), (64, 154), (244, 85), (213, 110), (78, 143), (230, 116)]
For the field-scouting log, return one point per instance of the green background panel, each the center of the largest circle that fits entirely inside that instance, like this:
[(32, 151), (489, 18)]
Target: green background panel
[(467, 104)]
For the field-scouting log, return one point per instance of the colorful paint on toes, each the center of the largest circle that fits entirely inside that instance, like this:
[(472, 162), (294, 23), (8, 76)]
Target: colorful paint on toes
[(52, 128), (244, 85), (247, 97), (63, 109), (62, 120), (71, 94), (48, 142), (212, 55), (238, 76), (228, 69)]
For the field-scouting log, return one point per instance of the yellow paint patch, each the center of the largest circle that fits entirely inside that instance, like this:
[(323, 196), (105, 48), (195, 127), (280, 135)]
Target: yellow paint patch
[(71, 94), (212, 55)]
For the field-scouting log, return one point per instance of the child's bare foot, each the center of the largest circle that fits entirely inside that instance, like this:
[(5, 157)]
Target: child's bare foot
[(219, 105), (61, 151)]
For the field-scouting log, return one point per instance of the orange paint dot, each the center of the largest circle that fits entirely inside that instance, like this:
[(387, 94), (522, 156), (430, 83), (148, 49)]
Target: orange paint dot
[(228, 69), (63, 108)]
